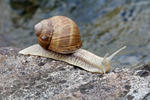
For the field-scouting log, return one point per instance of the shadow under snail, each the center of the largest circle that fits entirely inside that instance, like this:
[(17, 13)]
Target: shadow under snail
[(59, 39)]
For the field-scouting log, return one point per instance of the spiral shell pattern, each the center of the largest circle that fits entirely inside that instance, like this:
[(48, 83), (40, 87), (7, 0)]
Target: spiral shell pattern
[(59, 34)]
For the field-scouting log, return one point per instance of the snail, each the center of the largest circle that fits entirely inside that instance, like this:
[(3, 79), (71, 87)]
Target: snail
[(59, 39)]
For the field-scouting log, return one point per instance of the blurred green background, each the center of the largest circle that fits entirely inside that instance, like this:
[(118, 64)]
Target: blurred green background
[(105, 25)]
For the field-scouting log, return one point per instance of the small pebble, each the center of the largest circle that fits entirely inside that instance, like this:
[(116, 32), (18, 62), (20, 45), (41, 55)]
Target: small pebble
[(41, 64), (2, 58), (143, 73)]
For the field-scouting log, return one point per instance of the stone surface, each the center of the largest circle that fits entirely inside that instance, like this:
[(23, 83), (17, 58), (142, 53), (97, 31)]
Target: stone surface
[(31, 77)]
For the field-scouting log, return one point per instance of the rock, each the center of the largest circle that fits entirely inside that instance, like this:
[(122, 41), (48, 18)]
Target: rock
[(31, 77)]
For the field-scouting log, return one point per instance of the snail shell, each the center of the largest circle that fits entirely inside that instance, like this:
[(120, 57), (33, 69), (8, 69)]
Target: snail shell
[(59, 34)]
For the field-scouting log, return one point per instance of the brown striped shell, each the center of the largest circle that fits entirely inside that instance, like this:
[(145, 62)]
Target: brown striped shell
[(59, 34)]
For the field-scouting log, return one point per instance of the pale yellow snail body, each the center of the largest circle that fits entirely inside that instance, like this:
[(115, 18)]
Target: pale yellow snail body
[(59, 39)]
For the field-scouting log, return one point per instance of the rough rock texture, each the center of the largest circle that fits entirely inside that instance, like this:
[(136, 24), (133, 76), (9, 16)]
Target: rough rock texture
[(32, 77)]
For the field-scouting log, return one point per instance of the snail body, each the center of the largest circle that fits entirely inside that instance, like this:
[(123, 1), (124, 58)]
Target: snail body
[(81, 58), (59, 39)]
